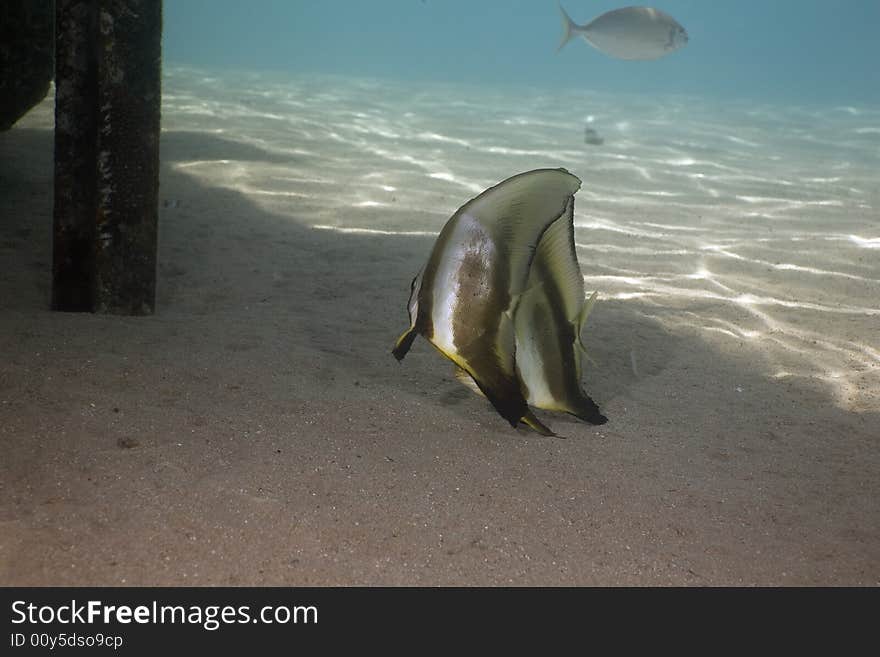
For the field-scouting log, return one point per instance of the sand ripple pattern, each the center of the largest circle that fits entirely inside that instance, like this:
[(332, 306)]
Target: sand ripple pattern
[(754, 226)]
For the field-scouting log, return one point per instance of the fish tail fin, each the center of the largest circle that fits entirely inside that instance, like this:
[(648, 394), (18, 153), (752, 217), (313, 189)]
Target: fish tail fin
[(588, 411), (569, 28), (404, 342), (529, 419)]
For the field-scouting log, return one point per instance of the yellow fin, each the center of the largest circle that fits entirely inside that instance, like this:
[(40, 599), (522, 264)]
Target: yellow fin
[(536, 424), (467, 380)]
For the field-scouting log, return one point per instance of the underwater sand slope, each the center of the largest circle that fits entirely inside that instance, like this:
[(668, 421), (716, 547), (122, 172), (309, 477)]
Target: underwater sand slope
[(753, 225), (264, 435)]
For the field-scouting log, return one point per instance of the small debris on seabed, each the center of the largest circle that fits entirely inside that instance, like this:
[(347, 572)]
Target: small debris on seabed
[(592, 137), (127, 443)]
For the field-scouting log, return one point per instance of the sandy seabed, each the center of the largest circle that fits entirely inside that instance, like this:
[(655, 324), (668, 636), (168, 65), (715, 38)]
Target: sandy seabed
[(257, 431)]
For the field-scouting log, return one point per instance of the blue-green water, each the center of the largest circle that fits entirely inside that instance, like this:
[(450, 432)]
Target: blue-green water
[(816, 51)]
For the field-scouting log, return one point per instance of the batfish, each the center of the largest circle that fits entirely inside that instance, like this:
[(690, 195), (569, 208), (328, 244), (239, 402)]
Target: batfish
[(629, 33), (464, 299), (548, 323)]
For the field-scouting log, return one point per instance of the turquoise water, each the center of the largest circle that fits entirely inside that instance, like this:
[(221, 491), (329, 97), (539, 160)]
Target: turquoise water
[(815, 51)]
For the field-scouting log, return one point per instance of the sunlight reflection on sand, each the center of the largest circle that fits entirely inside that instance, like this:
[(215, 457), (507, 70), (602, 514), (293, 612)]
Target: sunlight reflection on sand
[(754, 225)]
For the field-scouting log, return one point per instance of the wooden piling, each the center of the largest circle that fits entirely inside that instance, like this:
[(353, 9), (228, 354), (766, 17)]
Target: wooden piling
[(107, 113)]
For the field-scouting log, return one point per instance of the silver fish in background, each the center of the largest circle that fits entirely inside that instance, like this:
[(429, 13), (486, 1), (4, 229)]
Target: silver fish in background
[(633, 33)]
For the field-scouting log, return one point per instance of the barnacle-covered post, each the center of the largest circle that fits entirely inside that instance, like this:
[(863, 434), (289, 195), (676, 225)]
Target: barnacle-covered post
[(76, 84), (107, 114), (129, 83)]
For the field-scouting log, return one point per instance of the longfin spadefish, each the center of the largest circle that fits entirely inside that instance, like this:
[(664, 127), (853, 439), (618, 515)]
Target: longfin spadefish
[(464, 300), (515, 214)]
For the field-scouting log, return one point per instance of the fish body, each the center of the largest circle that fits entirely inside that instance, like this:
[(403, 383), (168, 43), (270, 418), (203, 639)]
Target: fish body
[(631, 33), (464, 299), (548, 323)]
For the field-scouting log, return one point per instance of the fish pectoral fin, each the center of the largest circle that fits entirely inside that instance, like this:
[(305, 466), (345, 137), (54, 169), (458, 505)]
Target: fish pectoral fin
[(582, 354), (517, 299), (404, 342), (586, 310), (582, 321), (530, 420)]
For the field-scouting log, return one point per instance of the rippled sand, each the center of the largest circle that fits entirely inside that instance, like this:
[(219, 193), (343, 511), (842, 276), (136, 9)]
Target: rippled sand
[(756, 226), (256, 430)]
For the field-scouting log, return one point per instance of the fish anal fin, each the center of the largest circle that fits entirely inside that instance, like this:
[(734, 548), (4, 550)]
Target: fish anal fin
[(588, 411), (467, 380), (530, 420)]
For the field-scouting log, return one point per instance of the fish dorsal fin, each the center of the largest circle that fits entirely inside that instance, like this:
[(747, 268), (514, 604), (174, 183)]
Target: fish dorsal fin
[(516, 212), (556, 264)]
